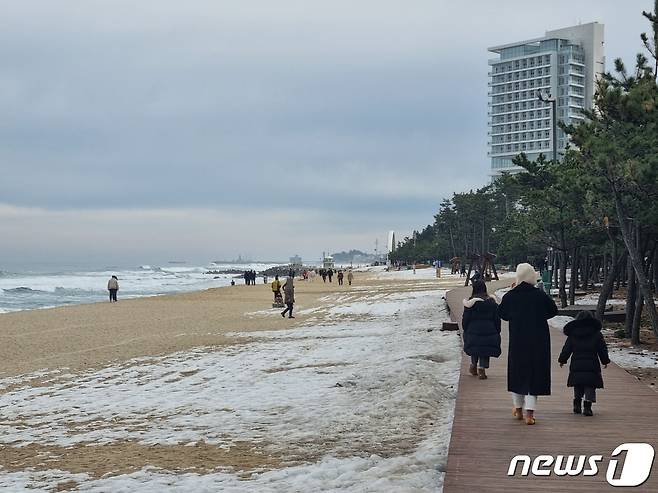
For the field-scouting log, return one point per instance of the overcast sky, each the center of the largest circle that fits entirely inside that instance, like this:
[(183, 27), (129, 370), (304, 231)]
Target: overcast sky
[(166, 129)]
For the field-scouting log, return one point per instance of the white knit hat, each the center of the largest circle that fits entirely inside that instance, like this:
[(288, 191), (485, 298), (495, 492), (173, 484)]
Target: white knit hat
[(526, 273)]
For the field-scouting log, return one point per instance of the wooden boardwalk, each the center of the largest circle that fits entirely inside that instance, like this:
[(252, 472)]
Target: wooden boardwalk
[(485, 437)]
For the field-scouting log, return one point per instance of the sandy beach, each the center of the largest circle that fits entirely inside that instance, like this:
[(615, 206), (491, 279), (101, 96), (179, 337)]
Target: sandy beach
[(214, 389)]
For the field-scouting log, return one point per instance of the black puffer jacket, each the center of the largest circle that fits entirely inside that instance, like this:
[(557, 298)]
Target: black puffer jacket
[(481, 326), (585, 346)]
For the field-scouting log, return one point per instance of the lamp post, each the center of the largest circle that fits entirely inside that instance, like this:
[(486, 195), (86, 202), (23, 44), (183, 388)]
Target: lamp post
[(547, 98)]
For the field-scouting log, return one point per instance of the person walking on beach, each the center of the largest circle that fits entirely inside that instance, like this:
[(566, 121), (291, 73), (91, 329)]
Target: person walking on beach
[(276, 288), (481, 326), (586, 347), (350, 277), (113, 287), (246, 277), (340, 277), (289, 297), (527, 309), (323, 273), (330, 274)]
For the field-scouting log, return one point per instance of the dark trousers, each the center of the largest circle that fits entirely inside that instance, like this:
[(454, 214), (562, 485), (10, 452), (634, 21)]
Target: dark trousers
[(287, 310), (580, 391), (480, 361), (113, 294)]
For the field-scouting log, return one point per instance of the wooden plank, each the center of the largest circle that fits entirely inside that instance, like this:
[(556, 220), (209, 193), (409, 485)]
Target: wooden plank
[(485, 437)]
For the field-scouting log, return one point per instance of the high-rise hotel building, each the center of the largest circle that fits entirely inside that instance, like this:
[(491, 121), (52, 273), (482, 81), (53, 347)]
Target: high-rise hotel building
[(563, 64)]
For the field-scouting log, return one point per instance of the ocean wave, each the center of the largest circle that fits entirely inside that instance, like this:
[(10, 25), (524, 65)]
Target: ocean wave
[(74, 291), (22, 290)]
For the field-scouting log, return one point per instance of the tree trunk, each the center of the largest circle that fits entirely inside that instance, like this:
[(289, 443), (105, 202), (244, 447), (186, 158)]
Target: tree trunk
[(573, 283), (631, 296), (608, 285), (637, 261), (585, 272), (563, 278), (637, 319), (452, 243), (655, 270)]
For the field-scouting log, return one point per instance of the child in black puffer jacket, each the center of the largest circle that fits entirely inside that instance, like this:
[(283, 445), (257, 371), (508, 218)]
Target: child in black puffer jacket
[(481, 326), (586, 347)]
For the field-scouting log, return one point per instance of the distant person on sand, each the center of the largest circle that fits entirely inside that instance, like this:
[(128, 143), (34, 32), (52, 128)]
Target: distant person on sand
[(350, 277), (330, 274), (340, 277), (586, 347), (264, 279), (323, 273), (276, 288), (462, 273), (246, 277), (113, 287), (529, 357), (481, 326), (289, 297)]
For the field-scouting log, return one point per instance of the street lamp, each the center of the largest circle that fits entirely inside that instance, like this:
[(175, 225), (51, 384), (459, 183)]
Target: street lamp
[(547, 98)]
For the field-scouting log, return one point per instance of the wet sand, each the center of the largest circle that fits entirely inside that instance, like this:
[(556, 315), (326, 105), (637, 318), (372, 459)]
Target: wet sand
[(94, 335)]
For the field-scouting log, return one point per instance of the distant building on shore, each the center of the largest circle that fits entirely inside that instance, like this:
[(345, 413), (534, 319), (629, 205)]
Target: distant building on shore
[(390, 245), (564, 64), (296, 262), (327, 262)]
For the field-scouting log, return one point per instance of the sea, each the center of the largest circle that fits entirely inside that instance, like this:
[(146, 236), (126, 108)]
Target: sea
[(29, 288)]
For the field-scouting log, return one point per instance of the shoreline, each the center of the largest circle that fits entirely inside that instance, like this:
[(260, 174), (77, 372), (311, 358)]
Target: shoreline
[(90, 335)]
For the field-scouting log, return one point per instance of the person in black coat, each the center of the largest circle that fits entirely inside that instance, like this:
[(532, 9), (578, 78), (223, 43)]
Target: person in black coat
[(529, 356), (586, 347), (481, 327)]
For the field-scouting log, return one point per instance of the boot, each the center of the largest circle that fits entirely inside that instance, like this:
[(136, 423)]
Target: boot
[(473, 370), (576, 406), (587, 411), (517, 412), (482, 374), (529, 417)]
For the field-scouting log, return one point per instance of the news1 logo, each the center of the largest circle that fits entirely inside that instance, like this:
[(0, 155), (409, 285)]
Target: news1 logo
[(633, 470)]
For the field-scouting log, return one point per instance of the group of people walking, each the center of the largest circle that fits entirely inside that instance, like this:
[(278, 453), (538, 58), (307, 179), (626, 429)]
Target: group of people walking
[(528, 309), (250, 277), (328, 274)]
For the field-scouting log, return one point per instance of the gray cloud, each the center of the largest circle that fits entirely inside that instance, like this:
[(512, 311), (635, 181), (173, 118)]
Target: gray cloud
[(355, 116)]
